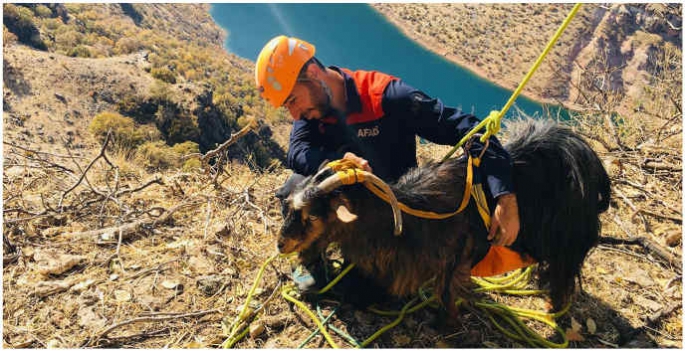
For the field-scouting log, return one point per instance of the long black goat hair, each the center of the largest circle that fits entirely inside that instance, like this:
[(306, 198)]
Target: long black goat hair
[(561, 188)]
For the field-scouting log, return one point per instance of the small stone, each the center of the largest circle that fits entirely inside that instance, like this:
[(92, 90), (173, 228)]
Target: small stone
[(210, 285), (674, 239), (122, 295), (170, 284), (256, 329)]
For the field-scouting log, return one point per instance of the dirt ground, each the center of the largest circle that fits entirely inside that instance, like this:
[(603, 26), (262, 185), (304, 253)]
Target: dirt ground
[(100, 252), (180, 251)]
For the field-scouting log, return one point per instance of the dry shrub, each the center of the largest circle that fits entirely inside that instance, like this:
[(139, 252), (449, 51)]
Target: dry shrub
[(164, 74), (127, 45), (157, 155), (126, 133)]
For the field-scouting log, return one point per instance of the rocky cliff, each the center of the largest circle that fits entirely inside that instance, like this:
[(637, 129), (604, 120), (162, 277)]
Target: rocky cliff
[(611, 48), (161, 65)]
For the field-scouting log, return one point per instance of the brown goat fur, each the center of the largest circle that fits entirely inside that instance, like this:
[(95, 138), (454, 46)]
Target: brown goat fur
[(561, 187)]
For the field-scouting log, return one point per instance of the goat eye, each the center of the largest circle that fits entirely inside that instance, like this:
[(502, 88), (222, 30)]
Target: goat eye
[(313, 218)]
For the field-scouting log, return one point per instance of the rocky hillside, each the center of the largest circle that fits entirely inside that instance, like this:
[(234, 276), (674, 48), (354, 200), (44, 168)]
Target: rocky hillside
[(133, 239), (161, 68), (608, 47)]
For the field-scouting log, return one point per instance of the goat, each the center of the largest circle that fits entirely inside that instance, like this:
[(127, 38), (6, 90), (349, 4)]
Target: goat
[(561, 188)]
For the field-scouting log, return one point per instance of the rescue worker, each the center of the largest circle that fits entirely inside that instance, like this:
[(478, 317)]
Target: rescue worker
[(371, 118)]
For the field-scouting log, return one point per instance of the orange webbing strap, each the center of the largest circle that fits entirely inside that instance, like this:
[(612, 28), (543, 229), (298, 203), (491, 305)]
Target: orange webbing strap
[(499, 260)]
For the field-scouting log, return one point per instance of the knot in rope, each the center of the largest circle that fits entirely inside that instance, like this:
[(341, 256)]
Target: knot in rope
[(492, 125)]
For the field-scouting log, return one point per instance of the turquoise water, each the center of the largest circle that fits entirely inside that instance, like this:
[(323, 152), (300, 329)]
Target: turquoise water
[(357, 37)]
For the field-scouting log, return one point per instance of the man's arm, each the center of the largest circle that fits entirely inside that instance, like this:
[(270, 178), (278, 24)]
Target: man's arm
[(445, 125), (305, 153)]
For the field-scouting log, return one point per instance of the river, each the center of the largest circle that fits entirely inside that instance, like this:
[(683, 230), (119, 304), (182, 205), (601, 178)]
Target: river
[(356, 36)]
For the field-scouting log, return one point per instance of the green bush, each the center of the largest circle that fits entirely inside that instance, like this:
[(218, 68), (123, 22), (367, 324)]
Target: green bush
[(67, 38), (161, 93), (192, 164), (186, 148), (157, 155), (183, 128), (42, 11), (8, 37), (127, 45), (20, 21), (164, 74), (79, 51), (125, 133)]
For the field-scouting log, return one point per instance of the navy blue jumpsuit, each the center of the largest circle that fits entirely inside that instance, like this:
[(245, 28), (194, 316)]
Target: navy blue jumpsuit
[(383, 116)]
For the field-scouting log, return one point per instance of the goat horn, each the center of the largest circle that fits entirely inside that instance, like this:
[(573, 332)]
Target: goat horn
[(321, 171), (397, 215), (329, 184), (336, 180)]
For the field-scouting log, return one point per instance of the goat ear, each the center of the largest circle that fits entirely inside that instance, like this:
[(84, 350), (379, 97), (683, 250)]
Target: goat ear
[(341, 205), (344, 214)]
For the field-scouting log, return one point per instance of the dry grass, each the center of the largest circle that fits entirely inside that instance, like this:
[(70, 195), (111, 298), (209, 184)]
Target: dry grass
[(205, 258), (173, 278)]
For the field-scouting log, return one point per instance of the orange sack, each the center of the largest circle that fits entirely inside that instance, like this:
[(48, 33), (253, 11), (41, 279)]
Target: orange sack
[(499, 260)]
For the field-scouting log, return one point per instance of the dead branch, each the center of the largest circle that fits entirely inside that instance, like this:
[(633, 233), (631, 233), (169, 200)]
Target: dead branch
[(157, 180), (598, 139), (159, 267), (107, 234), (661, 215), (83, 175), (208, 217), (655, 165), (112, 340), (626, 200), (645, 243), (151, 319), (654, 197), (8, 259), (39, 152), (234, 137), (259, 210)]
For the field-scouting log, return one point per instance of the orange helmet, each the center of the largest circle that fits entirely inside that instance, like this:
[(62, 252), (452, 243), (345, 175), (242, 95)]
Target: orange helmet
[(278, 65)]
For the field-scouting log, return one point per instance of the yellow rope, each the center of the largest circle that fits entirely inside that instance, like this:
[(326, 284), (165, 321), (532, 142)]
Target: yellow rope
[(345, 171), (511, 315), (286, 294), (493, 121), (492, 124), (336, 280), (241, 320)]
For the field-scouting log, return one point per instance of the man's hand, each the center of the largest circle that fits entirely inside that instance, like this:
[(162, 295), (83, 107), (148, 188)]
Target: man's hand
[(504, 225), (360, 162)]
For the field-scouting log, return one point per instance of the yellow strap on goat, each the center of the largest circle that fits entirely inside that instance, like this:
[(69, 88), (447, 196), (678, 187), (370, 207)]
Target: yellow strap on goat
[(493, 121), (346, 171)]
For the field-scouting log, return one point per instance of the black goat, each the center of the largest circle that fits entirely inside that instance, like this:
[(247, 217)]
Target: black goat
[(561, 188)]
